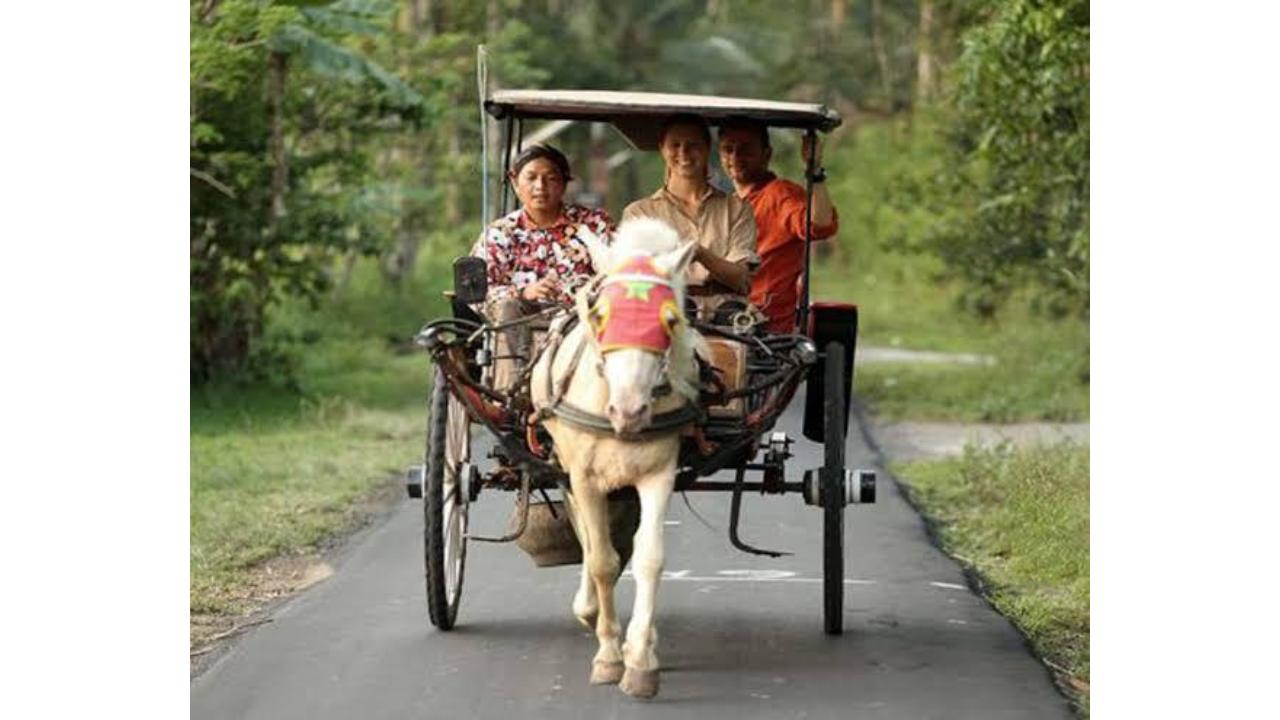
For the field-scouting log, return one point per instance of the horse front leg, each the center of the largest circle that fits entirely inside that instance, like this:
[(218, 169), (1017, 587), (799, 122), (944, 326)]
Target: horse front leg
[(640, 651), (585, 605), (600, 562)]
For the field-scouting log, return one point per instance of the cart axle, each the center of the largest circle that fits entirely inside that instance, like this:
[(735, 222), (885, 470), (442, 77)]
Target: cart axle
[(859, 487), (723, 485), (413, 481)]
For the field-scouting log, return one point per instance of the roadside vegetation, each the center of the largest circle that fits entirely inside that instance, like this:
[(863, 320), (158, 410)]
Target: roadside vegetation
[(1019, 520), (907, 300), (280, 465)]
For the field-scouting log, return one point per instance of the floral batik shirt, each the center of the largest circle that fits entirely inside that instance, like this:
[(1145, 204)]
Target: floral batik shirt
[(519, 253)]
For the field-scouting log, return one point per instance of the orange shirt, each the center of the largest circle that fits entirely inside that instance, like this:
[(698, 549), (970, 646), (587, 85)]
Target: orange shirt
[(779, 209)]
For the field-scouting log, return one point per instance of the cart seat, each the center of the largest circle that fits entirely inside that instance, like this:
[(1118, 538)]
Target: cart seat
[(728, 360)]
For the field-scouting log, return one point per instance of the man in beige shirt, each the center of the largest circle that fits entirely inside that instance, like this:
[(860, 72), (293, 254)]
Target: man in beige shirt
[(723, 224)]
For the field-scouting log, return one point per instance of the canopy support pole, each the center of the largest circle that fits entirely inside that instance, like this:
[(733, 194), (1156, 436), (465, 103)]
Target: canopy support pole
[(482, 85), (802, 311), (506, 162)]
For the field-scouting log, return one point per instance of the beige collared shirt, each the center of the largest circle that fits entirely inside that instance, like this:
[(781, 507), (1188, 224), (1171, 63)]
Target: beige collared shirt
[(723, 224)]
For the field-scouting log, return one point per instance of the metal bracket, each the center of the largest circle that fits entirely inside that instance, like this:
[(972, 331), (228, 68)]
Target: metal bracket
[(735, 509)]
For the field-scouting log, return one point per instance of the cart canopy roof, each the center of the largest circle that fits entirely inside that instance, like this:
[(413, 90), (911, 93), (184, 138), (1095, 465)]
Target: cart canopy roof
[(638, 115)]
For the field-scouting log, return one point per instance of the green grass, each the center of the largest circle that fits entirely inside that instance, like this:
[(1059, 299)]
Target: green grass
[(259, 493), (1020, 518), (1041, 369), (278, 471)]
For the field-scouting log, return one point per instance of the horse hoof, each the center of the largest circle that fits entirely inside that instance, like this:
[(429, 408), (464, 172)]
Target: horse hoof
[(640, 683), (606, 673)]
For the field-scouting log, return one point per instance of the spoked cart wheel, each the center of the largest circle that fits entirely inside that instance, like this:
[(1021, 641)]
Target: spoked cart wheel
[(445, 501), (833, 490)]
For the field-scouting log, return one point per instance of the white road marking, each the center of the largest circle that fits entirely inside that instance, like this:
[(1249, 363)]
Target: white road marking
[(949, 586), (958, 622), (670, 522), (762, 576), (758, 574)]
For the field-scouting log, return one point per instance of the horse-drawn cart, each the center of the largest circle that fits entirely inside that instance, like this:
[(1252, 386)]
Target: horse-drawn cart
[(728, 426)]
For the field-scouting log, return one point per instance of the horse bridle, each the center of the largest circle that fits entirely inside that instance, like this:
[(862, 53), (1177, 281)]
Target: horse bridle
[(557, 406)]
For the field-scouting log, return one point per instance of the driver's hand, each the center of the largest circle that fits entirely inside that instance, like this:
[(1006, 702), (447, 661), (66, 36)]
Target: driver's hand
[(544, 290)]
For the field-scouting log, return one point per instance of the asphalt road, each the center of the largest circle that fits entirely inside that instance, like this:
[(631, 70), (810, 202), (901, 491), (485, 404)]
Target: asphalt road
[(741, 636)]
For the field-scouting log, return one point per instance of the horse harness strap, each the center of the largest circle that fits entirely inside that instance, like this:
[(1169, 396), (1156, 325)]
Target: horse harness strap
[(556, 406), (661, 424)]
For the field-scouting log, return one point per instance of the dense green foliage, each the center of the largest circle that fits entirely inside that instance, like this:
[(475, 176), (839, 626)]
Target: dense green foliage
[(1011, 191), (277, 186), (307, 152), (323, 131), (1039, 370)]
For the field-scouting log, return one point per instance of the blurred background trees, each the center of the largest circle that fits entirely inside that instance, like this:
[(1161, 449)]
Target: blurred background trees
[(1012, 194), (326, 136)]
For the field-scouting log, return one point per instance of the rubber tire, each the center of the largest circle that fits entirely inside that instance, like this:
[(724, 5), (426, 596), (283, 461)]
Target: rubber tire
[(442, 610), (833, 499)]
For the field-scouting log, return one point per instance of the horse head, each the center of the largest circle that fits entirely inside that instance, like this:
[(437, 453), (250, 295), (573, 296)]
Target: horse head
[(637, 320)]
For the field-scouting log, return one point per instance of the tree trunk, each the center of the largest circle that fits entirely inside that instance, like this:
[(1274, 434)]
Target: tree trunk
[(399, 261), (206, 12), (452, 196), (404, 153), (493, 18), (435, 13), (279, 70), (882, 58), (344, 278), (924, 58), (418, 12), (837, 15)]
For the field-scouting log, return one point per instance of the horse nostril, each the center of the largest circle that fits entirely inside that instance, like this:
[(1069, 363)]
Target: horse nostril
[(643, 409), (611, 410)]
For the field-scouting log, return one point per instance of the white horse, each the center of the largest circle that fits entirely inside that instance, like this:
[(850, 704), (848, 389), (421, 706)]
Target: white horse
[(632, 338)]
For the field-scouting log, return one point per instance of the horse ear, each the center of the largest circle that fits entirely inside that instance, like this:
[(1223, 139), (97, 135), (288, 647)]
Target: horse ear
[(597, 248), (676, 262)]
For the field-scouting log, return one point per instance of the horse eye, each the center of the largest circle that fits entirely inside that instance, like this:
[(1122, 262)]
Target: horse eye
[(670, 318), (596, 315)]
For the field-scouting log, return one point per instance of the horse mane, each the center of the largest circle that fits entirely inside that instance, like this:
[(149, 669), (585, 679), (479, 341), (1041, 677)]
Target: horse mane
[(648, 236), (645, 235)]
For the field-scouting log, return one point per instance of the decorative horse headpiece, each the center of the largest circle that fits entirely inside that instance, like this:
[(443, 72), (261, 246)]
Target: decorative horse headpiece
[(637, 308)]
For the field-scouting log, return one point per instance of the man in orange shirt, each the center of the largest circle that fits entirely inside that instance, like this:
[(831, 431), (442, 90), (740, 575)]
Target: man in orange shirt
[(779, 207)]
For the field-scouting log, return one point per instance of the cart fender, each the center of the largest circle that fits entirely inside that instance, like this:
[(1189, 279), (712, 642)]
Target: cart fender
[(828, 322)]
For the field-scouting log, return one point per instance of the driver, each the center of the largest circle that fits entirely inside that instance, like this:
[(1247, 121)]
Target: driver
[(722, 224), (535, 255)]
